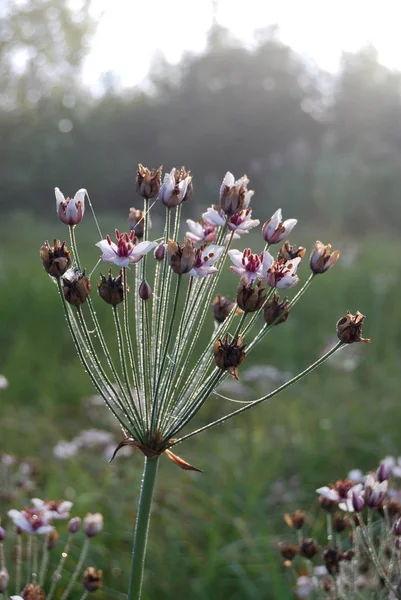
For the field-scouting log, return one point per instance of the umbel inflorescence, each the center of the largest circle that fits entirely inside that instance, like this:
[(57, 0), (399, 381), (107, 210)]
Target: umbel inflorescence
[(161, 376), (163, 372)]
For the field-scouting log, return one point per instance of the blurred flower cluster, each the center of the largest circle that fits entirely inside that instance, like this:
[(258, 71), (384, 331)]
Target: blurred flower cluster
[(35, 565), (361, 557)]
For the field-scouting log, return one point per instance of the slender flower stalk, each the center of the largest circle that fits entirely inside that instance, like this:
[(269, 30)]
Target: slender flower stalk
[(162, 375)]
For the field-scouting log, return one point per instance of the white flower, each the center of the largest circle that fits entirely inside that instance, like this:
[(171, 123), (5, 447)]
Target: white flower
[(125, 252), (328, 493), (52, 510), (64, 449), (375, 492), (234, 195), (93, 524), (356, 475), (246, 264), (175, 187), (214, 216), (305, 586), (278, 274), (354, 494), (30, 521), (275, 230), (199, 232), (242, 222), (3, 382), (70, 211), (204, 259)]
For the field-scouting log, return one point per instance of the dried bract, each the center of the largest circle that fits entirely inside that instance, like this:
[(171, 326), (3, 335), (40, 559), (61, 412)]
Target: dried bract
[(288, 252), (229, 354), (137, 222), (296, 521), (222, 307), (349, 328), (148, 182), (33, 592), (56, 259), (276, 312), (250, 296), (321, 260), (181, 258), (111, 289), (92, 579), (76, 287)]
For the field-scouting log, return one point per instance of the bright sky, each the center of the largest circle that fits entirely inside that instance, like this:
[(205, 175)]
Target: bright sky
[(130, 32)]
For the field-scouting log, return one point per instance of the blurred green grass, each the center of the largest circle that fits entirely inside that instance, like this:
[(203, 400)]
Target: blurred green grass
[(213, 535)]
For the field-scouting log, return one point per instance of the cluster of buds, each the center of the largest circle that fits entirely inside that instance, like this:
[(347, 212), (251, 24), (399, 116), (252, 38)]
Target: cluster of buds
[(39, 520)]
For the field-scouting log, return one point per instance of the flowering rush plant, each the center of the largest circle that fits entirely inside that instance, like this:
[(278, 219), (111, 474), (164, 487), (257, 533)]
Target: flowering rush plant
[(26, 572), (162, 376), (360, 557)]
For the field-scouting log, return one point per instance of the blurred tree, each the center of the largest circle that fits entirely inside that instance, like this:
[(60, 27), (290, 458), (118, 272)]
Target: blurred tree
[(42, 43)]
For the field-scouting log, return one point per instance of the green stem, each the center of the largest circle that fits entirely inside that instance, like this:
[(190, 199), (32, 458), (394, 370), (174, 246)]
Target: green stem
[(142, 527)]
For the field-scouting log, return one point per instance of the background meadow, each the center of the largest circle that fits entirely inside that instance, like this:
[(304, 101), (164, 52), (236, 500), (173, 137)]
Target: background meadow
[(323, 146)]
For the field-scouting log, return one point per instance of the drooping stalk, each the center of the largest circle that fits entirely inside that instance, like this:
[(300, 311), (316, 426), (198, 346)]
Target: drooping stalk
[(142, 527)]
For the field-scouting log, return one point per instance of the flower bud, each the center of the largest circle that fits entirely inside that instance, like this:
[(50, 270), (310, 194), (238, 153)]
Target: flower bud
[(340, 522), (181, 258), (136, 222), (250, 296), (92, 579), (76, 287), (222, 307), (4, 579), (111, 290), (2, 534), (288, 252), (74, 525), (56, 259), (397, 527), (70, 210), (234, 195), (145, 291), (382, 472), (176, 188), (288, 551), (32, 591), (296, 521), (349, 328), (321, 260), (93, 524), (308, 548), (159, 252), (275, 229), (332, 558), (358, 502), (52, 539), (276, 312), (148, 182), (229, 354)]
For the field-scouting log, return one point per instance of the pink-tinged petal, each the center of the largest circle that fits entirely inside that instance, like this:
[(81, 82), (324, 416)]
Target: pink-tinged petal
[(203, 271), (182, 186), (14, 514), (288, 281), (275, 220), (328, 493), (121, 262), (228, 179), (195, 228), (293, 264), (248, 197), (213, 217), (217, 251), (289, 225), (59, 197), (108, 249), (237, 270), (242, 181), (347, 506), (38, 503), (236, 258), (195, 238), (80, 196), (267, 262), (43, 530), (143, 248)]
